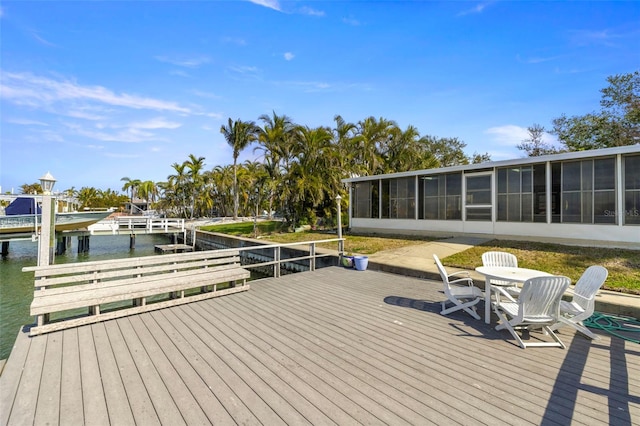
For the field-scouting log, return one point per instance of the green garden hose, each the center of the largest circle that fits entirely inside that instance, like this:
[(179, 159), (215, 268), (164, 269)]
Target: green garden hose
[(614, 325)]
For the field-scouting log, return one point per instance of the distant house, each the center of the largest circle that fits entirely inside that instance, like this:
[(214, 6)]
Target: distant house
[(139, 206), (586, 197)]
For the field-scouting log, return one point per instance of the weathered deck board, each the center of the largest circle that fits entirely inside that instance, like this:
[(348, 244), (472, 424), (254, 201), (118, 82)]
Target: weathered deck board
[(332, 346), (149, 369), (515, 384), (71, 384), (49, 396)]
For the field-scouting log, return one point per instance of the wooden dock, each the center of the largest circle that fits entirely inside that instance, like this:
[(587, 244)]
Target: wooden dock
[(333, 346), (173, 248)]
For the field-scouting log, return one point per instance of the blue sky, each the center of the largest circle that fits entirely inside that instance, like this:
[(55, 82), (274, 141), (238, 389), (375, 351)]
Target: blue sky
[(96, 91)]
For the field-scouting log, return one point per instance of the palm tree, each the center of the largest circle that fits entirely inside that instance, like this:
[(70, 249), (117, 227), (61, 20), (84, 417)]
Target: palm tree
[(177, 188), (344, 135), (221, 179), (373, 138), (148, 190), (275, 141), (257, 178), (239, 135), (88, 197), (33, 188), (195, 165), (132, 187), (405, 152)]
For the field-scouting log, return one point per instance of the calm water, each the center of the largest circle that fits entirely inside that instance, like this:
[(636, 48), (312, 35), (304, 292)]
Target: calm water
[(16, 287)]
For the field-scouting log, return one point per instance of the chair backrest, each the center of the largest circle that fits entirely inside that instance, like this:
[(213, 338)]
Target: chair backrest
[(540, 297), (499, 258), (588, 285), (443, 272)]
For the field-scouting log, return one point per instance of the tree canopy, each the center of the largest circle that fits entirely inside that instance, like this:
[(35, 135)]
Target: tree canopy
[(298, 173), (616, 124), (300, 169)]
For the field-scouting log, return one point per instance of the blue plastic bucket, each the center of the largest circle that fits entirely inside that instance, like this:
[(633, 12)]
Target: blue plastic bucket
[(360, 262)]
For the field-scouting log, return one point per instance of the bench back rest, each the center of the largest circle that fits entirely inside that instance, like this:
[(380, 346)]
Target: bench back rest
[(114, 269)]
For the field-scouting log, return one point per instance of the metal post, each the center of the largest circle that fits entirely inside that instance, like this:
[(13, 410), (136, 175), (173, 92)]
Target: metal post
[(255, 218), (340, 243)]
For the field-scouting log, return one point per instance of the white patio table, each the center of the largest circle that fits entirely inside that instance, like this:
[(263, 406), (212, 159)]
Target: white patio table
[(503, 276)]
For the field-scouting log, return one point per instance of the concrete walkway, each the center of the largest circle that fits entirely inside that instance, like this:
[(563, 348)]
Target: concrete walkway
[(417, 261)]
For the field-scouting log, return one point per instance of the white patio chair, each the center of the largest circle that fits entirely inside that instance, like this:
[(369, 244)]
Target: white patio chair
[(463, 297), (582, 305), (537, 307), (501, 258)]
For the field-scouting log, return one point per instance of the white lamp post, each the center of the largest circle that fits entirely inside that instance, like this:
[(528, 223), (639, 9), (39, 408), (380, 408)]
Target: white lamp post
[(340, 243), (255, 218), (47, 182), (46, 242)]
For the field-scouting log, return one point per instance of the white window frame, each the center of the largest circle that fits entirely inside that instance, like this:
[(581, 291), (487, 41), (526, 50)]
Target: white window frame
[(479, 206)]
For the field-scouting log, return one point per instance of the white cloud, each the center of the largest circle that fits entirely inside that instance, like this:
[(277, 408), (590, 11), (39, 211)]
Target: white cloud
[(245, 71), (215, 115), (84, 115), (41, 40), (234, 40), (207, 95), (271, 4), (305, 10), (155, 123), (120, 155), (51, 136), (193, 62), (135, 132), (90, 146), (604, 37), (351, 21), (36, 91), (536, 59), (479, 8), (289, 56), (322, 86), (180, 73), (511, 135), (307, 86), (508, 135), (24, 122), (127, 135)]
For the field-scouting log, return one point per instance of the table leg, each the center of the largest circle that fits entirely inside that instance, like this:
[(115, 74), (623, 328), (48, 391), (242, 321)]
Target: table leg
[(487, 302)]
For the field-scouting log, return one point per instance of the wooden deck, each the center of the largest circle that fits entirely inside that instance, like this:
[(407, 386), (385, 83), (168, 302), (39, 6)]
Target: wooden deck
[(333, 346)]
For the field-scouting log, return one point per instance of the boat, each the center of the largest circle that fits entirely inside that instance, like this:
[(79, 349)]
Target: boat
[(23, 217)]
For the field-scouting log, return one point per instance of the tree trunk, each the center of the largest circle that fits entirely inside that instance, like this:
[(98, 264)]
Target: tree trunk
[(235, 190)]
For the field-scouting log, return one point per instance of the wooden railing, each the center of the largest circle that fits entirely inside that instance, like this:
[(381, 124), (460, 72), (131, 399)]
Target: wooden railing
[(309, 253)]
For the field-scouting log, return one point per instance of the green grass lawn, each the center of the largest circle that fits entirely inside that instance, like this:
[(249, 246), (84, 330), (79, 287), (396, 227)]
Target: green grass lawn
[(571, 261), (245, 229), (272, 231), (623, 265)]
